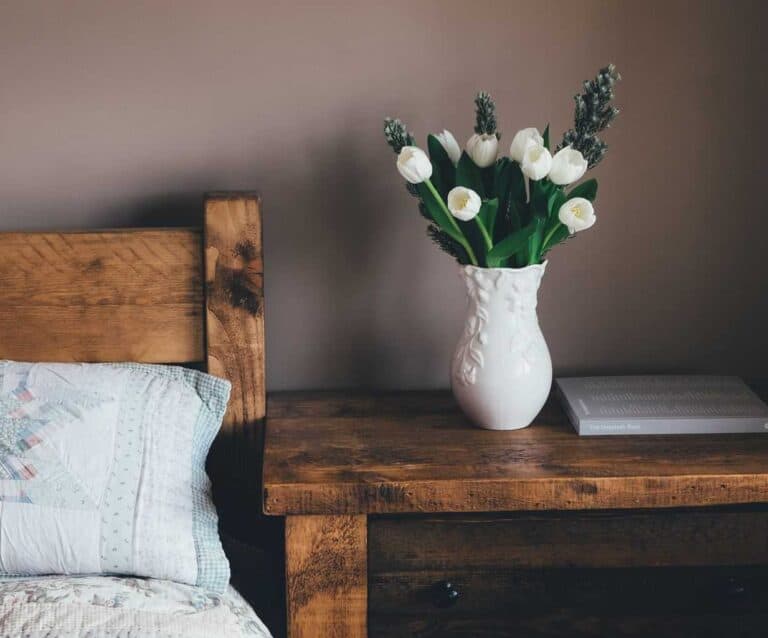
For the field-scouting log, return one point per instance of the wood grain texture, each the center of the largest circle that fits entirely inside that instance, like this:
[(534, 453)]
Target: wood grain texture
[(564, 603), (556, 573), (234, 285), (326, 576), (370, 458), (234, 328), (125, 295), (620, 539), (235, 304)]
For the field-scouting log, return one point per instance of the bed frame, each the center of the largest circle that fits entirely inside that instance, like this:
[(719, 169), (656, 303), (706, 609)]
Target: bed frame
[(168, 295), (191, 296)]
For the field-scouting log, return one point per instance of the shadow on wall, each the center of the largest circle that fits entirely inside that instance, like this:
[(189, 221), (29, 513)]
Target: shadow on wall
[(343, 259), (171, 209), (329, 265)]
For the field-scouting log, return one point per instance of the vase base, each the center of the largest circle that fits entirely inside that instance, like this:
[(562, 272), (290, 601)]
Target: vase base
[(501, 427)]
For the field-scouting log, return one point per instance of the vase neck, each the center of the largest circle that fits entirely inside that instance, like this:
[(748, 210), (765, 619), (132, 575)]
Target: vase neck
[(522, 284)]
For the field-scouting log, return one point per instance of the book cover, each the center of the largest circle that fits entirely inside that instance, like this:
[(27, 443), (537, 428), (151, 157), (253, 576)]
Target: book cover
[(668, 404)]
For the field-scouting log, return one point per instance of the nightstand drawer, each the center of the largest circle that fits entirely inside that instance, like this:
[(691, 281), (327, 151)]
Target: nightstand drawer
[(565, 574), (663, 602)]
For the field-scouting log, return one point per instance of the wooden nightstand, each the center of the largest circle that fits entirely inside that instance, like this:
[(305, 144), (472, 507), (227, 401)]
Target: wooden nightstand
[(404, 520)]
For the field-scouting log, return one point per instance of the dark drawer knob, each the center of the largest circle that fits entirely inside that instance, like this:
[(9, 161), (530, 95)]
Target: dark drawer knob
[(734, 591), (444, 594)]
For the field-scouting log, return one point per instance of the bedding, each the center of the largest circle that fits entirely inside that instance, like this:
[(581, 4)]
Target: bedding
[(113, 607), (102, 470)]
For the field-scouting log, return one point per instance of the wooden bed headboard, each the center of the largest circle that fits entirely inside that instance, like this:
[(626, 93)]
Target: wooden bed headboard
[(170, 295)]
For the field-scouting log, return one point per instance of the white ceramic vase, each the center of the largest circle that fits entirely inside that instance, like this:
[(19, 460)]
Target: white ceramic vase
[(501, 372)]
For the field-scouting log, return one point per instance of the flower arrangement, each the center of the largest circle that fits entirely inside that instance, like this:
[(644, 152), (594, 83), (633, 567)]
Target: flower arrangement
[(510, 211)]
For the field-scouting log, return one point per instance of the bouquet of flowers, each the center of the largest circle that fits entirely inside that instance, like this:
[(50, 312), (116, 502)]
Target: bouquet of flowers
[(510, 211)]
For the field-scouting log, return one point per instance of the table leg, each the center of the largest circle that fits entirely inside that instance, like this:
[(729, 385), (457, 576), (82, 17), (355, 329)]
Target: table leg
[(326, 576)]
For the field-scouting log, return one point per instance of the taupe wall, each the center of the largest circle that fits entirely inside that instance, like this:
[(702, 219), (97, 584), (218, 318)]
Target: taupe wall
[(122, 113)]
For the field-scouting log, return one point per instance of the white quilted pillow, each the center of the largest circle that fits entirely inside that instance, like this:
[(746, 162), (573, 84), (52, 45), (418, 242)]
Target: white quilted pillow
[(102, 470)]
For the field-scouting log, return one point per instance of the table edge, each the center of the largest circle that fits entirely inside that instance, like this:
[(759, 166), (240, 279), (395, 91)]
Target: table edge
[(507, 495)]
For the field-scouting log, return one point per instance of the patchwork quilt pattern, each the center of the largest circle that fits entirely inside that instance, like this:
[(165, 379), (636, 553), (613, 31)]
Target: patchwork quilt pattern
[(102, 471)]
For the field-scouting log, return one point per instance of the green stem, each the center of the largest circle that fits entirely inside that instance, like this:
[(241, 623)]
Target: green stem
[(484, 233), (535, 252), (549, 235), (460, 236), (535, 244)]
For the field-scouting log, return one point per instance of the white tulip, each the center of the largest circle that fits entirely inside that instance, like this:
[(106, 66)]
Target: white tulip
[(577, 214), (414, 165), (450, 145), (464, 203), (537, 161), (483, 149), (520, 142), (568, 165)]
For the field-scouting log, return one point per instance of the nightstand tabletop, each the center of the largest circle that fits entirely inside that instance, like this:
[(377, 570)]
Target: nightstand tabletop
[(415, 452)]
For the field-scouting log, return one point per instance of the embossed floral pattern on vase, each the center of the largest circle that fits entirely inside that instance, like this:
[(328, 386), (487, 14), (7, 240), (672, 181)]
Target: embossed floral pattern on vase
[(501, 370)]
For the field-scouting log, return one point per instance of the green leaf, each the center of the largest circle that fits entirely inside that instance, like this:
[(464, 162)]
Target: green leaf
[(555, 201), (515, 214), (510, 187), (502, 176), (561, 234), (540, 193), (517, 182), (443, 170), (487, 214), (509, 246), (535, 240), (546, 138), (468, 175), (474, 237), (512, 182), (587, 190), (487, 176), (437, 213)]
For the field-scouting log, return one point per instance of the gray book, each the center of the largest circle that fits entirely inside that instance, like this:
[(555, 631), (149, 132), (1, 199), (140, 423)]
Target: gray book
[(661, 405)]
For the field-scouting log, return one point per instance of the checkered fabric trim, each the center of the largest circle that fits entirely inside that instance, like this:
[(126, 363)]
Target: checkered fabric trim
[(213, 570)]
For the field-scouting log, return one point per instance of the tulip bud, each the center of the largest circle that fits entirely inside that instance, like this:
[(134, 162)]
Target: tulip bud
[(414, 165), (483, 149), (577, 214), (451, 146), (520, 141), (537, 161), (568, 165), (464, 203)]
